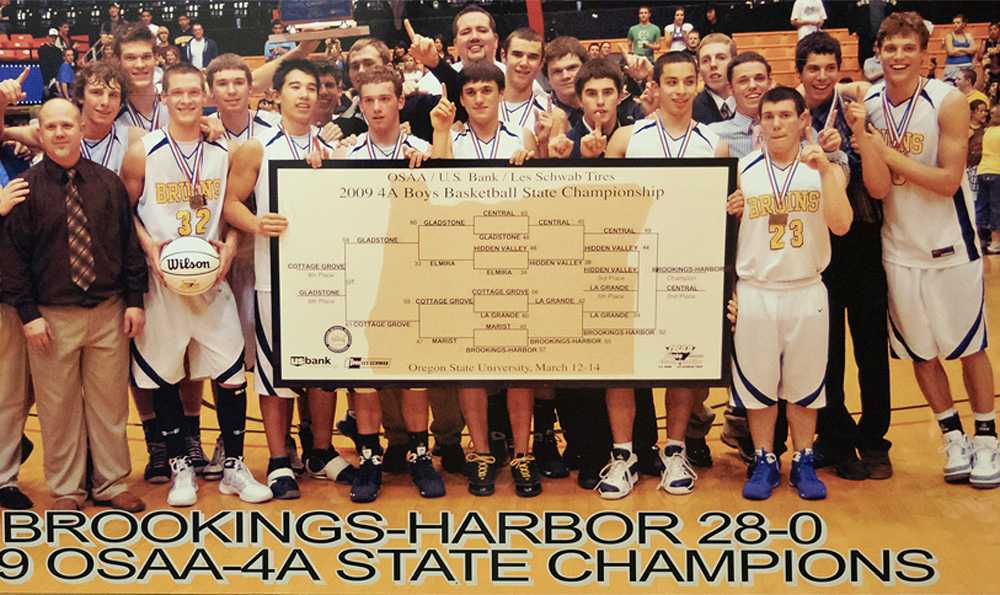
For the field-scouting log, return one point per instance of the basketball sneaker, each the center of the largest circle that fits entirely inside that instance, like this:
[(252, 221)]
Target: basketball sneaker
[(195, 453), (237, 479), (349, 427), (158, 467), (985, 463), (328, 464), (368, 479), (283, 485), (527, 478), (958, 457), (619, 476), (482, 473), (678, 476), (765, 475), (213, 471), (184, 490), (803, 476), (423, 474)]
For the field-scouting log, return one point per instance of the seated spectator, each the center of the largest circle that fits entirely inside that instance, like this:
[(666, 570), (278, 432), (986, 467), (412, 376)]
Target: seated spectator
[(146, 18), (200, 50), (276, 49), (966, 83), (960, 47), (693, 39), (594, 51), (712, 22), (184, 33), (605, 49)]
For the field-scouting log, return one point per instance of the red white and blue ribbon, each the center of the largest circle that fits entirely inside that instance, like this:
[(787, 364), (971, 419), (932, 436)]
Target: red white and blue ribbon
[(897, 132), (780, 194), (665, 138), (192, 173), (394, 154), (88, 149)]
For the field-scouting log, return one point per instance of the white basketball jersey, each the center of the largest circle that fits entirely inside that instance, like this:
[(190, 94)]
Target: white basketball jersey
[(781, 244), (108, 151), (520, 115), (165, 207), (923, 229), (129, 116), (503, 145), (366, 149), (279, 146), (649, 139)]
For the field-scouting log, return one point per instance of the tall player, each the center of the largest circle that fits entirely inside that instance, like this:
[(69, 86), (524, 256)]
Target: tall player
[(177, 180), (133, 47), (792, 194), (381, 98), (523, 52), (672, 133), (297, 82), (487, 137), (936, 293)]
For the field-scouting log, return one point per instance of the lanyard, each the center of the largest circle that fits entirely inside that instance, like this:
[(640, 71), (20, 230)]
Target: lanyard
[(394, 154), (508, 113), (898, 131), (478, 145), (88, 149), (140, 120), (665, 138), (779, 195)]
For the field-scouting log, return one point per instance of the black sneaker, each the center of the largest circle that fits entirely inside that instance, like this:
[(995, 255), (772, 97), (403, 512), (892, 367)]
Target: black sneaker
[(570, 457), (26, 447), (195, 453), (283, 485), (588, 478), (452, 457), (348, 427), (546, 452), (425, 477), (482, 473), (328, 464), (698, 453), (158, 468), (650, 462), (368, 479), (527, 480), (13, 498), (394, 460)]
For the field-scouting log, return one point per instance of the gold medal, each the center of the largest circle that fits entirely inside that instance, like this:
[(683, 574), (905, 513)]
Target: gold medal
[(197, 199)]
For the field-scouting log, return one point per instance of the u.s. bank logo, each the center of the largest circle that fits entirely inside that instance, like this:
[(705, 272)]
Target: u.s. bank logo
[(304, 360), (337, 339)]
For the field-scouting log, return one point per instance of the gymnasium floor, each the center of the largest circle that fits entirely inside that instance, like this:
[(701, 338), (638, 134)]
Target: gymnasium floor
[(914, 519)]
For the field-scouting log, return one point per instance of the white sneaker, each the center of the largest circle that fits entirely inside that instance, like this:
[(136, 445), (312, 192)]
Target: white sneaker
[(619, 476), (237, 479), (985, 463), (958, 453), (213, 471), (678, 476), (184, 489)]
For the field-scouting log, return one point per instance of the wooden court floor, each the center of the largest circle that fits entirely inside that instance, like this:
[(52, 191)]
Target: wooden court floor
[(921, 534)]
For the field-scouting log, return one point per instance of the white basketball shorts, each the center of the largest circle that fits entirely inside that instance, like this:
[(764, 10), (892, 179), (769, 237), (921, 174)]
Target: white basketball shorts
[(780, 346)]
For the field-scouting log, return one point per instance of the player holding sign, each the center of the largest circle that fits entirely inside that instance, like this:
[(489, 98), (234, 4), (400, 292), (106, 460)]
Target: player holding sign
[(176, 180), (930, 252), (293, 137), (792, 195), (487, 137)]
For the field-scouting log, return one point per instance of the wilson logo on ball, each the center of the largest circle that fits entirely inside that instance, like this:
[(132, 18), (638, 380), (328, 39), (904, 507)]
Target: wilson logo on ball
[(180, 264)]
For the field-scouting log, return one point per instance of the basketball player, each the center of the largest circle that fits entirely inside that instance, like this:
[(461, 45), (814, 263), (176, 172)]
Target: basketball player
[(176, 181), (931, 256), (669, 132), (133, 47), (487, 137), (380, 90), (793, 194), (523, 53), (294, 137)]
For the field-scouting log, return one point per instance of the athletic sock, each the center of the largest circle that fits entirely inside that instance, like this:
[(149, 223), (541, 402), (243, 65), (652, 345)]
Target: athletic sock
[(231, 409), (986, 424), (417, 439), (278, 463), (545, 415), (170, 418), (626, 446), (369, 443), (949, 421), (151, 431)]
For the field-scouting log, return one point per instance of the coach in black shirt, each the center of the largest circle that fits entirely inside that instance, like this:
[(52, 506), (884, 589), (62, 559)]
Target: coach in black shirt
[(73, 269)]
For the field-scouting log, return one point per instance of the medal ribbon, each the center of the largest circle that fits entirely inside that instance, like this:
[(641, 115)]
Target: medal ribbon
[(395, 150), (834, 106), (140, 120), (477, 144), (294, 148), (249, 129), (665, 138), (508, 114), (88, 149), (193, 175), (779, 195), (898, 131)]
